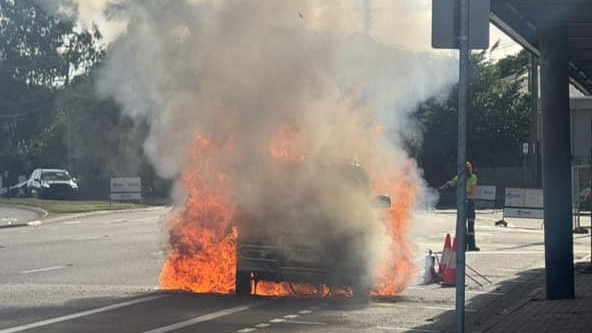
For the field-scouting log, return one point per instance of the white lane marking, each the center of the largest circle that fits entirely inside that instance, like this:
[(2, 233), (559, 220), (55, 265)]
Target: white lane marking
[(79, 314), (200, 319), (291, 316), (146, 219), (45, 269), (246, 330), (73, 222), (491, 293), (9, 220), (305, 322), (403, 329), (502, 252), (115, 221), (277, 320), (305, 312), (263, 325)]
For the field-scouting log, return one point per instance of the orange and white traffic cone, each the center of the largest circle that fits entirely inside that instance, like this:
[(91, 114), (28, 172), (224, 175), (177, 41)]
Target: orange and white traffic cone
[(445, 258), (449, 277)]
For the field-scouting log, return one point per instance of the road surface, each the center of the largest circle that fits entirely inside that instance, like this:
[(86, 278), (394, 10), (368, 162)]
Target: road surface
[(99, 273)]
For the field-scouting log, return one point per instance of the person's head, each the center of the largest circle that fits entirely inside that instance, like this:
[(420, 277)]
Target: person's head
[(469, 168)]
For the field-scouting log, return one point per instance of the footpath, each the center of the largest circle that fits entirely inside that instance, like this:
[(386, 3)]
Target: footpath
[(528, 310), (525, 308)]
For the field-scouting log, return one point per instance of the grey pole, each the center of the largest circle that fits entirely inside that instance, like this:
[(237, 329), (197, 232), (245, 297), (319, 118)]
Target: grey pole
[(463, 89), (559, 269)]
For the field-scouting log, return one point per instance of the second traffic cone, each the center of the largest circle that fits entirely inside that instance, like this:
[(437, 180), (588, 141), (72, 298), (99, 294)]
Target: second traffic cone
[(446, 252), (449, 276)]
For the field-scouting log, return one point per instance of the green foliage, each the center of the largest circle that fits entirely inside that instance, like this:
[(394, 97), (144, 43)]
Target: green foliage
[(498, 118), (39, 55)]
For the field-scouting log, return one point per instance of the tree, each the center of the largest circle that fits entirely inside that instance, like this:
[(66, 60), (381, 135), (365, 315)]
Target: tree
[(498, 118), (39, 55)]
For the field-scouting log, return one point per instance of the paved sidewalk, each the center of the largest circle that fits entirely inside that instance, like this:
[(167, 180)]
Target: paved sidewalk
[(534, 313)]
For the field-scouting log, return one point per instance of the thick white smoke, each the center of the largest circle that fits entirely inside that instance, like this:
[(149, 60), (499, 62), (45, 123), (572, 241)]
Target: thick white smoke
[(328, 73)]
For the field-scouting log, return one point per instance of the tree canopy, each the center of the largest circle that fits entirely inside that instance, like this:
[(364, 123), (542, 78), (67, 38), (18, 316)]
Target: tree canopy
[(498, 118), (39, 55)]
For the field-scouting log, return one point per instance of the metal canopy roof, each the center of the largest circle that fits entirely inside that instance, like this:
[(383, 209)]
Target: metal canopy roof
[(519, 20)]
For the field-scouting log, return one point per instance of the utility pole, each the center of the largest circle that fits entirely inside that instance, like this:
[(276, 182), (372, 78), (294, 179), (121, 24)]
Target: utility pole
[(462, 25), (461, 194)]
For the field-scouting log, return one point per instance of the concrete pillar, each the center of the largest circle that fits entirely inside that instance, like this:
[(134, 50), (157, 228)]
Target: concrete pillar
[(556, 161)]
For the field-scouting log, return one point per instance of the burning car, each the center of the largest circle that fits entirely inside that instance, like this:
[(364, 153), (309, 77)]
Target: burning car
[(298, 241)]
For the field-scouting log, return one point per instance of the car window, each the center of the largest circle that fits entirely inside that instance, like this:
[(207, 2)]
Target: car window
[(55, 175)]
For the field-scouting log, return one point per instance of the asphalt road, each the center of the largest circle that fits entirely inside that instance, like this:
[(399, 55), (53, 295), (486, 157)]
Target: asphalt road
[(99, 273), (11, 215)]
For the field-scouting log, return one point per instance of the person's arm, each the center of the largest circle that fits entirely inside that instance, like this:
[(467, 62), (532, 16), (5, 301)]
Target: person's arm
[(448, 184)]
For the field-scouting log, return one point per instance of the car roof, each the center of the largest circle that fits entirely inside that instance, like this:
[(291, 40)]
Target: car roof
[(53, 170)]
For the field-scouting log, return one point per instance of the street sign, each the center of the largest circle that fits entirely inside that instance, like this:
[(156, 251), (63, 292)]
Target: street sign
[(126, 196), (126, 184), (445, 24), (524, 203), (126, 188)]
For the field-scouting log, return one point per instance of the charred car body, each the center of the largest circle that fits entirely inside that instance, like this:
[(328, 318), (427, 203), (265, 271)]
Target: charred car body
[(300, 241)]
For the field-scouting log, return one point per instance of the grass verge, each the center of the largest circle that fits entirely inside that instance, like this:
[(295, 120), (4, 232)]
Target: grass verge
[(66, 206)]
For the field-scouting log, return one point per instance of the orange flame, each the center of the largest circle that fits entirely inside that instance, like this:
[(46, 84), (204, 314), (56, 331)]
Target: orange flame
[(397, 270), (284, 145), (202, 256)]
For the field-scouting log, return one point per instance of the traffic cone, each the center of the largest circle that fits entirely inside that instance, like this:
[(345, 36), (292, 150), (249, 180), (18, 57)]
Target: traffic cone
[(445, 256), (449, 277)]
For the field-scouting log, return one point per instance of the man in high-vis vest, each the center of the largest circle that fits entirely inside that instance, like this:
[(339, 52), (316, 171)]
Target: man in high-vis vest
[(469, 204)]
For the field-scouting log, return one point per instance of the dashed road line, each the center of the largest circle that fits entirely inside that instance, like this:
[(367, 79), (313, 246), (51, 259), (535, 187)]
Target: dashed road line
[(402, 329), (45, 269), (78, 314), (200, 319)]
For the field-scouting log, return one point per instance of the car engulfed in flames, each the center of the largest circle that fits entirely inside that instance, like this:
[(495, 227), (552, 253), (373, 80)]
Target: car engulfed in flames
[(306, 250), (297, 227)]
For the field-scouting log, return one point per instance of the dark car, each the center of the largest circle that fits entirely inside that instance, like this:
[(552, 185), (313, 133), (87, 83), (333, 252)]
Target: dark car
[(52, 184)]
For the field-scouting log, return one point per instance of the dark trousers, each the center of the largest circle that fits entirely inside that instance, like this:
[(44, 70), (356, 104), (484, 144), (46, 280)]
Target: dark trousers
[(470, 217)]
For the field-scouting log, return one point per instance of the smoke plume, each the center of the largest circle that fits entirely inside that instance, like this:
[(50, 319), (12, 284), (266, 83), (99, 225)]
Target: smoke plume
[(334, 80)]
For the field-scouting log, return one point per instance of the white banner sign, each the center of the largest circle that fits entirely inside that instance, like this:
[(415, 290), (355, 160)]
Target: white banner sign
[(126, 184), (485, 192), (524, 197), (126, 196), (526, 213)]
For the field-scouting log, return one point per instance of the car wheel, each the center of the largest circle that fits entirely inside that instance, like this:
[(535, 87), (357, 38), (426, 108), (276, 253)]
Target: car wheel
[(243, 283)]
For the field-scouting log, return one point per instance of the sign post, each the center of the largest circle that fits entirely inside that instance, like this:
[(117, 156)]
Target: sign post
[(461, 24)]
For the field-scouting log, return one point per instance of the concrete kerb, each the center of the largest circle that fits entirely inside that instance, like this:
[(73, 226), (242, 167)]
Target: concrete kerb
[(41, 214), (65, 217), (45, 217)]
